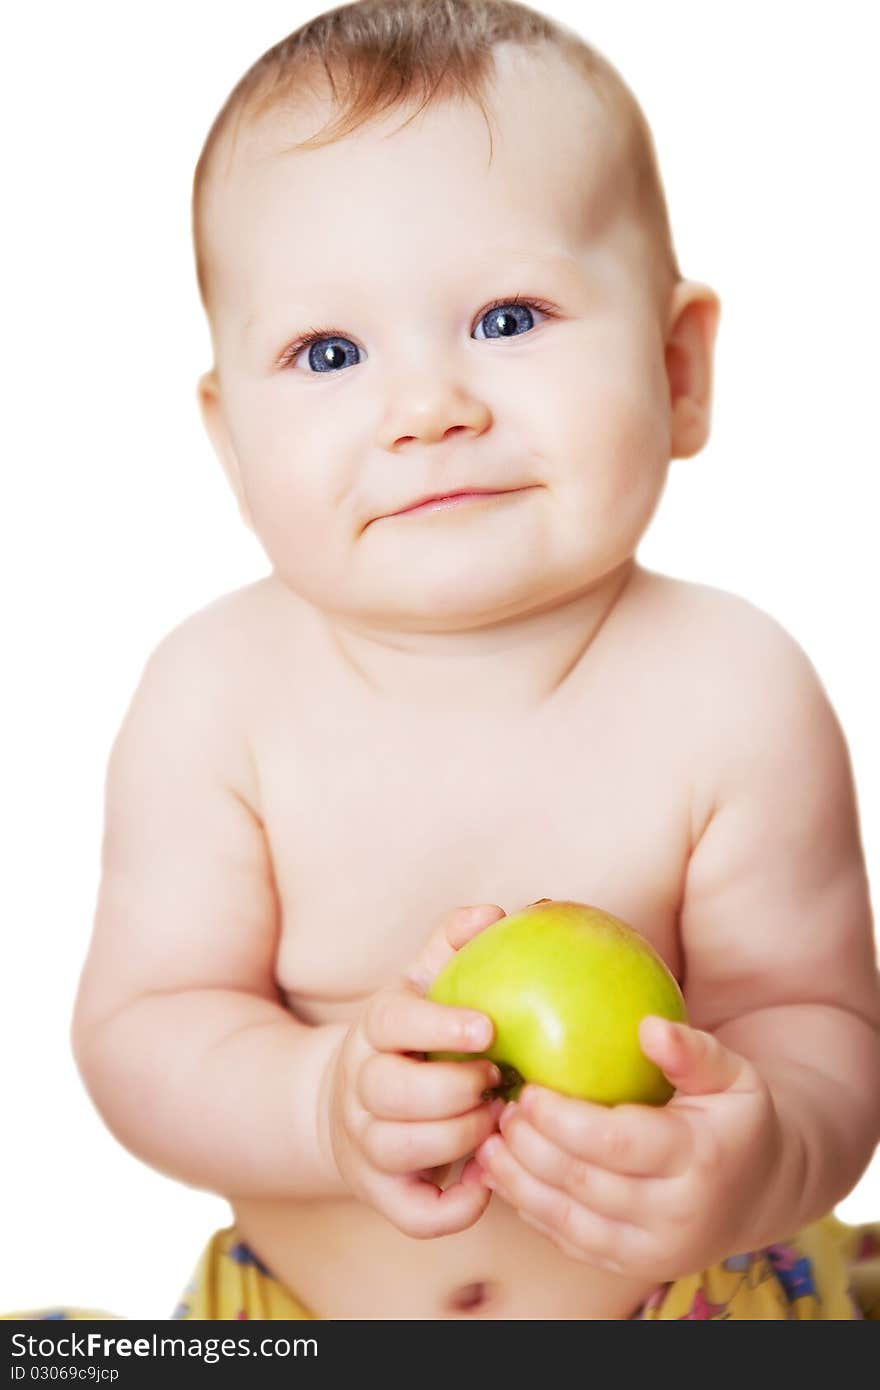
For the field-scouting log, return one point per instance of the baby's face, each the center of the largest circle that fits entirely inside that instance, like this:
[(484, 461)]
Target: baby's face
[(395, 246)]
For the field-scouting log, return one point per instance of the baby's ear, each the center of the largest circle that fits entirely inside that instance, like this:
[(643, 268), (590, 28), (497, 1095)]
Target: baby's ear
[(211, 406), (690, 340)]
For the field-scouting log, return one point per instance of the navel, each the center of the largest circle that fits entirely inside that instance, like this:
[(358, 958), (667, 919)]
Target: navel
[(468, 1297)]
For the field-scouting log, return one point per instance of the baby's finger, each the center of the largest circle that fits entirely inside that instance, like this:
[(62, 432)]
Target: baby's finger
[(635, 1140), (423, 1210), (695, 1062), (588, 1234), (603, 1191), (472, 1173), (399, 1146), (393, 1087), (455, 929), (395, 1021)]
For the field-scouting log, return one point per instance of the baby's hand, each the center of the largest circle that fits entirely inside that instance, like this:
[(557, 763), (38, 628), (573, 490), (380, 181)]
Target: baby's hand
[(650, 1193), (393, 1117)]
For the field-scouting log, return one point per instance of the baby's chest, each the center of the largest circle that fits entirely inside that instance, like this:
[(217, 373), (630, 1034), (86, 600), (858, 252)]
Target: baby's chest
[(374, 839)]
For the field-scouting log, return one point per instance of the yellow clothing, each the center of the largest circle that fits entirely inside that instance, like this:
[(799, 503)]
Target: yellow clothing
[(828, 1271), (810, 1277)]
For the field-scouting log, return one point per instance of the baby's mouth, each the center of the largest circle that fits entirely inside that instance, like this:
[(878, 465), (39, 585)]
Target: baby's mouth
[(463, 497)]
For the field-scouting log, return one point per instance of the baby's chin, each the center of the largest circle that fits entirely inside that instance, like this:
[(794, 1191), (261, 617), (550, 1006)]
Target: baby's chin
[(463, 602), (425, 578), (456, 582)]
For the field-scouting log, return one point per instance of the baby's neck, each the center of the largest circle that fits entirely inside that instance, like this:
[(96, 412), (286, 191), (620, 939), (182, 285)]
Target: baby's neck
[(515, 666)]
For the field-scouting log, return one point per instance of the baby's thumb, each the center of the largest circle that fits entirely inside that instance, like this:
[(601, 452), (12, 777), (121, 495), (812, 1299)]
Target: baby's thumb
[(453, 931), (695, 1062)]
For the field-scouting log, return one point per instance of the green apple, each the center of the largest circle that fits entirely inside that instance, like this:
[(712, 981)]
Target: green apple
[(566, 986)]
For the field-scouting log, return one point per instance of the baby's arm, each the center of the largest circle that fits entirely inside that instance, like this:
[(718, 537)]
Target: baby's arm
[(777, 1104), (179, 1030), (776, 925)]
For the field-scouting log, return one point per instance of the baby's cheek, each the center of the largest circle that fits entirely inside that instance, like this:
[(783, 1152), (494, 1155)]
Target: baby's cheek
[(616, 491), (294, 525), (631, 458)]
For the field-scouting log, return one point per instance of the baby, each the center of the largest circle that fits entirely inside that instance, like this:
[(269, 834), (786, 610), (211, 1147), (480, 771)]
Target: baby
[(457, 689)]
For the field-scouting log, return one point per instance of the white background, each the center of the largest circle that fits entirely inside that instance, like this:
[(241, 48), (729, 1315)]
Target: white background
[(116, 522)]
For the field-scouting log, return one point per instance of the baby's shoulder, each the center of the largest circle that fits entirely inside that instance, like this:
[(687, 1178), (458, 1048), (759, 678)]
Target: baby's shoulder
[(744, 680), (200, 686), (228, 641), (721, 637)]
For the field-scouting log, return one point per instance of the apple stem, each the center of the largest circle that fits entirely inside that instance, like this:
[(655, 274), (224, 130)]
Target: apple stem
[(511, 1082)]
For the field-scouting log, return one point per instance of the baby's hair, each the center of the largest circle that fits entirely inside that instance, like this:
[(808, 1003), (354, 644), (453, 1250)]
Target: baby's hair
[(378, 55)]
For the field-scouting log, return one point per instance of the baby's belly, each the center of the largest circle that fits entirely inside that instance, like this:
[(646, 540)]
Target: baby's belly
[(345, 1261)]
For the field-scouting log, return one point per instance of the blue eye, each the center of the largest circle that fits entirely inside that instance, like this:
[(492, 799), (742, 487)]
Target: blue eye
[(505, 316), (329, 351)]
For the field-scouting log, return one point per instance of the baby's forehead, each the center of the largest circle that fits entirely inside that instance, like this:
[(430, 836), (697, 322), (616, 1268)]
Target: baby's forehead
[(539, 131), (544, 162), (437, 181)]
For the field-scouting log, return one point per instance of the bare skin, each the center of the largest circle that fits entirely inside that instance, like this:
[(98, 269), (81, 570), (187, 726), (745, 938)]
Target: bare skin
[(475, 706)]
